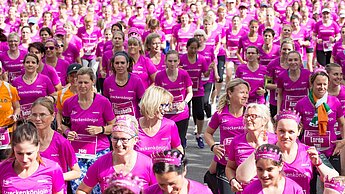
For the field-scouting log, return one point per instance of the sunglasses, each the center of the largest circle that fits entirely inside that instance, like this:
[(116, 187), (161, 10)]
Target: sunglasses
[(50, 48), (60, 45)]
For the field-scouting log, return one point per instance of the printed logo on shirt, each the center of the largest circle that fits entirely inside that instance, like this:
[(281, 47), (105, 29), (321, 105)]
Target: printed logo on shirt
[(42, 181), (39, 86), (224, 120), (95, 112), (19, 87), (6, 182), (111, 90), (73, 112), (305, 165), (55, 155), (165, 138)]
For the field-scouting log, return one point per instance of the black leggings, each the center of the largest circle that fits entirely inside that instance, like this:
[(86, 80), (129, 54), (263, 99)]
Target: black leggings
[(197, 108), (222, 181), (273, 110), (206, 99), (323, 58), (221, 67), (182, 131)]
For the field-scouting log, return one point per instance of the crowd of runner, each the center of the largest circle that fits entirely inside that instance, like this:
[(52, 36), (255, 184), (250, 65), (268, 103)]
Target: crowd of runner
[(96, 95)]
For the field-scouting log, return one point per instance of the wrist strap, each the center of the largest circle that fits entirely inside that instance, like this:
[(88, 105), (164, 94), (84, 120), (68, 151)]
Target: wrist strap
[(103, 129), (213, 146)]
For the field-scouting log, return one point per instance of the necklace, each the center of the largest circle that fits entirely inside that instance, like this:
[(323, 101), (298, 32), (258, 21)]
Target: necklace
[(29, 80)]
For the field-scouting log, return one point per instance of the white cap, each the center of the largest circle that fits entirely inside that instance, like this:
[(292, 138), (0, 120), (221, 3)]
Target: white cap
[(326, 10)]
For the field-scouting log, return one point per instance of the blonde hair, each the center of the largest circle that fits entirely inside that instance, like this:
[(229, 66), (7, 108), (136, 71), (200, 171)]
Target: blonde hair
[(152, 99), (263, 111), (224, 100), (135, 40)]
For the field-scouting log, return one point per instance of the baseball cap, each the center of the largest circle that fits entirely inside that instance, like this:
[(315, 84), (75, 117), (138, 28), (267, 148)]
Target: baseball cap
[(326, 10), (74, 67), (32, 20), (60, 31)]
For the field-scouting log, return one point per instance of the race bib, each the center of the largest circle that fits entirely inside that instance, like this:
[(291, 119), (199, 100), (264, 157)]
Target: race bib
[(291, 101), (226, 143), (89, 49), (85, 146), (203, 78), (123, 108), (232, 53), (176, 103), (321, 142), (4, 138), (327, 46), (25, 110), (195, 81), (13, 75)]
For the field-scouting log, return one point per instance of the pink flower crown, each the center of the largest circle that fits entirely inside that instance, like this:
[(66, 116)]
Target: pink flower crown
[(169, 158), (289, 114), (128, 181), (127, 124), (267, 154), (334, 184)]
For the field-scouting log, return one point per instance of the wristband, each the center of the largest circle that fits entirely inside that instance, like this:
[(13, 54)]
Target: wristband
[(54, 100), (319, 164), (232, 179), (66, 132), (103, 129), (213, 146)]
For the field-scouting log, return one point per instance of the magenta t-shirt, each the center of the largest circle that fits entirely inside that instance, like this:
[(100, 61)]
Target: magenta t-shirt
[(97, 114), (193, 188), (71, 53), (290, 187), (136, 22), (89, 42), (256, 79), (28, 93), (208, 53), (229, 127), (13, 66), (324, 32), (61, 70), (293, 91), (103, 169), (338, 54), (124, 99), (106, 61), (182, 37), (311, 135), (301, 169), (161, 65), (178, 89), (273, 70), (195, 71), (165, 139), (232, 41), (266, 58), (244, 42), (144, 68), (51, 73), (47, 179), (239, 149)]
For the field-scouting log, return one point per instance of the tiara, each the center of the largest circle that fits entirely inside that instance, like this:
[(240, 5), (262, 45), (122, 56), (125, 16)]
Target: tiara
[(288, 114), (267, 154), (173, 159), (128, 181), (319, 70), (125, 123), (334, 184)]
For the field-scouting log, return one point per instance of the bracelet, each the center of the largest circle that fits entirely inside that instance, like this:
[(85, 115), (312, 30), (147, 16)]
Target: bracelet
[(319, 164), (213, 146), (232, 179), (66, 132), (103, 129)]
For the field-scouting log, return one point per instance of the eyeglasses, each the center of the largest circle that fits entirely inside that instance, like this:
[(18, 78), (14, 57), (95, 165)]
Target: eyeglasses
[(49, 48), (165, 106), (39, 115), (123, 140), (252, 116), (60, 45), (251, 53)]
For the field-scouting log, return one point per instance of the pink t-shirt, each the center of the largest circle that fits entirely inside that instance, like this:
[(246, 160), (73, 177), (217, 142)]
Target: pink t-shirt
[(266, 58), (103, 169), (232, 42), (167, 28), (182, 37), (273, 70), (13, 66), (244, 42), (229, 127), (165, 139), (324, 32), (178, 89), (293, 91), (208, 53), (106, 58), (124, 99), (144, 68), (61, 70), (71, 53), (48, 178), (28, 93), (311, 135), (239, 149), (136, 22), (97, 114), (290, 187), (256, 79), (51, 73), (161, 65), (193, 188), (195, 71), (89, 41), (301, 169), (338, 54)]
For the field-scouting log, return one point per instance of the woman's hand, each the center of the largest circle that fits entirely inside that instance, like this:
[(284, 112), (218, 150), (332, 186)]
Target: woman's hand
[(235, 186), (72, 135), (339, 145), (219, 151), (181, 106), (314, 156), (94, 130), (261, 91)]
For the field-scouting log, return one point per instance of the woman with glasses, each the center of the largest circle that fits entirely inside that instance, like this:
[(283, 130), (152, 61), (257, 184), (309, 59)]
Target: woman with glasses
[(53, 145), (123, 88), (32, 85), (156, 133), (25, 170), (123, 159), (52, 60), (12, 59), (254, 73), (258, 130), (87, 116), (293, 83), (229, 120)]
